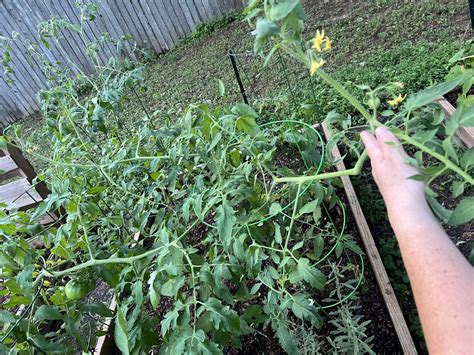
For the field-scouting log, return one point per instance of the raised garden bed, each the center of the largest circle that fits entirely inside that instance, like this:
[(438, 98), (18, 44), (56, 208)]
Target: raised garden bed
[(377, 300)]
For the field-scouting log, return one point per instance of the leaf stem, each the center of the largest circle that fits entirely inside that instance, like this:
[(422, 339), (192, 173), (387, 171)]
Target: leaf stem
[(303, 179)]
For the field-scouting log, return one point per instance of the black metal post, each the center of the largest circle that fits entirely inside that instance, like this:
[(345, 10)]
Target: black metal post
[(237, 75), (471, 6)]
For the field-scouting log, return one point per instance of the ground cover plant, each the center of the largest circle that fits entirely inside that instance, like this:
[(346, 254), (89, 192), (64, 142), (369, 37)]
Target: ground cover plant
[(230, 235)]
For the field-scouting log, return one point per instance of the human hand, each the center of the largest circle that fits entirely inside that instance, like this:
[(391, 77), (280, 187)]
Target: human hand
[(392, 173)]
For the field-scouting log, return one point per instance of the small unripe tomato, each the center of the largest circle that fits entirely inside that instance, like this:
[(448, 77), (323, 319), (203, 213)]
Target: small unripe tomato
[(5, 273), (373, 103), (75, 290)]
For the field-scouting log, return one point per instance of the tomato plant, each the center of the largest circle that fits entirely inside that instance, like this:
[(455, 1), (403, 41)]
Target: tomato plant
[(233, 237)]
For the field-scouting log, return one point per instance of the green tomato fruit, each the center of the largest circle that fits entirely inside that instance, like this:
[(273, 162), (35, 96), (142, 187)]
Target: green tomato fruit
[(373, 103), (6, 273), (75, 290)]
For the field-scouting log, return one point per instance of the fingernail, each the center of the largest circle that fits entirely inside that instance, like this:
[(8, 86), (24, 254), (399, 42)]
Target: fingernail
[(382, 130)]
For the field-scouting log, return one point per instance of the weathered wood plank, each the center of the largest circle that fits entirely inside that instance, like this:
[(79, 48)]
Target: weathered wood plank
[(36, 79), (178, 19), (165, 31), (134, 23), (32, 18), (8, 168), (147, 30), (191, 22), (153, 22), (185, 16), (465, 134), (16, 90), (91, 31), (165, 16), (113, 27), (375, 260), (19, 194), (192, 7)]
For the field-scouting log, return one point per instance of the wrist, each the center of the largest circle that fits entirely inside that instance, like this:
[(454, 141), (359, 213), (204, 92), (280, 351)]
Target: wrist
[(406, 218)]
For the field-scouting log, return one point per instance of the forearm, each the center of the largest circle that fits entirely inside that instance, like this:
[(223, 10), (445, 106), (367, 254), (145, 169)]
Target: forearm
[(442, 280)]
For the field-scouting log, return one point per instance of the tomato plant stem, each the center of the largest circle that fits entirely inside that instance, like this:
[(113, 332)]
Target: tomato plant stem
[(302, 179)]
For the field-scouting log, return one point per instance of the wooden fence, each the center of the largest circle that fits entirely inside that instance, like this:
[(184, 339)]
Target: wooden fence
[(154, 24)]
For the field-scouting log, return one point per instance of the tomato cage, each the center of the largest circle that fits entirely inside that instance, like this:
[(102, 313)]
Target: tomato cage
[(275, 82)]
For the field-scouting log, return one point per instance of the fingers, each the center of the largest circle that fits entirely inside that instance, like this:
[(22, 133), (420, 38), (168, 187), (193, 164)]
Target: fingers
[(385, 136), (389, 142), (373, 146)]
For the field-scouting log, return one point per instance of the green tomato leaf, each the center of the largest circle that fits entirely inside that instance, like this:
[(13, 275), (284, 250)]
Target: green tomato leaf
[(310, 274), (242, 109), (278, 238), (225, 219), (171, 318), (222, 317), (467, 159), (283, 9), (221, 87), (247, 125), (47, 346), (120, 331), (98, 308), (285, 339), (6, 317), (303, 309), (318, 246), (449, 149), (458, 188), (264, 29), (463, 213), (254, 315), (427, 96), (443, 213), (46, 312), (171, 287), (309, 207)]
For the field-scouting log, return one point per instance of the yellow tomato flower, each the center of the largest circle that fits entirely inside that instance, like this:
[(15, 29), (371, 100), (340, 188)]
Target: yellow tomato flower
[(315, 65), (318, 40), (327, 44), (396, 101)]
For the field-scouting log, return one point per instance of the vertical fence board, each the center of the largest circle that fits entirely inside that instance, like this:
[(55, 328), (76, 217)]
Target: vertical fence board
[(134, 23), (176, 18), (190, 22), (73, 41), (162, 9), (158, 14), (194, 12), (141, 18), (23, 58), (22, 89), (56, 48), (148, 23), (156, 25), (159, 40), (184, 16)]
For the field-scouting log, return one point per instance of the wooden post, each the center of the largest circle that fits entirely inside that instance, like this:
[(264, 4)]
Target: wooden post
[(375, 260), (28, 170)]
